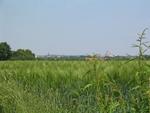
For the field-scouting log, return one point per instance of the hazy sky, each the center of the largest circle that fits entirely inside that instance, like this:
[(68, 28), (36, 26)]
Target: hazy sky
[(74, 26)]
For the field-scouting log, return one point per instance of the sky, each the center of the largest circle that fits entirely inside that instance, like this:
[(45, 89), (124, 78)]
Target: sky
[(74, 27)]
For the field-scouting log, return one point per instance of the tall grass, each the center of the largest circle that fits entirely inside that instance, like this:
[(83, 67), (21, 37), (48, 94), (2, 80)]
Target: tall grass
[(73, 87), (77, 86)]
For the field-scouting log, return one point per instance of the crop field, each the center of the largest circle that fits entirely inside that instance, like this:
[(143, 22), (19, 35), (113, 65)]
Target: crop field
[(74, 87)]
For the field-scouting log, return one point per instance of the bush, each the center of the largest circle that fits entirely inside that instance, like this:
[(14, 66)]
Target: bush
[(23, 54)]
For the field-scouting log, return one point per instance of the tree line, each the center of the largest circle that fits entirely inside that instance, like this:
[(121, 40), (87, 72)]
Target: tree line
[(21, 54)]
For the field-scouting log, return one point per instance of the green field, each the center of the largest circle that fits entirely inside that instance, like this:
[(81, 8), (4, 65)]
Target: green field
[(74, 87)]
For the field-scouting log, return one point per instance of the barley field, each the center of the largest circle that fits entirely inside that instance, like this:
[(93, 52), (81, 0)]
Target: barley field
[(74, 87)]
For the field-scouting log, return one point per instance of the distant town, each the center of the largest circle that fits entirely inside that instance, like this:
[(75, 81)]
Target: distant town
[(107, 56)]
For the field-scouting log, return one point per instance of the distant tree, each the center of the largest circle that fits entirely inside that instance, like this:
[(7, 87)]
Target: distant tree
[(5, 51), (23, 54)]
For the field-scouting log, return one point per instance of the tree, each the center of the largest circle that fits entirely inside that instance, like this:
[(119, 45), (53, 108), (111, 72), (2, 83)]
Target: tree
[(5, 51), (23, 54)]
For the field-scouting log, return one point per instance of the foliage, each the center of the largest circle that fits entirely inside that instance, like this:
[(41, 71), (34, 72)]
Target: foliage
[(5, 51), (143, 47), (73, 87), (23, 54)]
